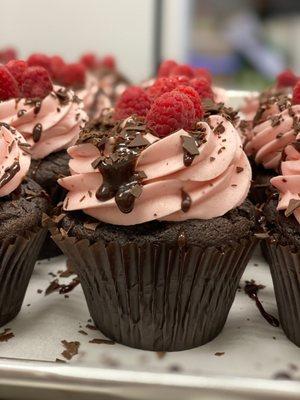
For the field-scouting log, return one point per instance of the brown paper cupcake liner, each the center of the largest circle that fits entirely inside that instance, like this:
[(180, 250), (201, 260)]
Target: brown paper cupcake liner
[(285, 270), (17, 259), (154, 296)]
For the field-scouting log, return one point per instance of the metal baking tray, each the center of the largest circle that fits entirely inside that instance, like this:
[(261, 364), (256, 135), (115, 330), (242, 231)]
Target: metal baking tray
[(250, 359)]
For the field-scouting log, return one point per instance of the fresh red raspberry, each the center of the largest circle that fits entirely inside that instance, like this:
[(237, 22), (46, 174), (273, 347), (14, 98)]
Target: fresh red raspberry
[(17, 69), (166, 67), (286, 78), (202, 87), (56, 65), (194, 97), (133, 101), (7, 55), (182, 69), (109, 62), (41, 60), (36, 83), (89, 60), (170, 112), (203, 73), (164, 85), (8, 85), (73, 75), (296, 93)]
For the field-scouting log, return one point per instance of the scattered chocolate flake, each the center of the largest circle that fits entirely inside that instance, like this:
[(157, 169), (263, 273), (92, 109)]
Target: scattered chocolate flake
[(37, 132), (92, 226), (25, 147), (90, 193), (9, 173), (139, 141), (220, 128), (71, 349), (58, 218), (282, 376), (82, 332), (186, 201), (284, 180), (52, 274), (62, 95), (293, 205), (39, 291), (219, 353), (161, 354), (175, 368), (101, 341), (10, 147), (276, 120), (221, 149), (239, 170), (211, 159), (92, 327), (279, 135), (53, 287), (58, 109), (95, 164), (190, 149), (6, 335), (20, 113), (251, 288), (234, 185), (58, 360), (66, 296), (82, 198), (68, 288)]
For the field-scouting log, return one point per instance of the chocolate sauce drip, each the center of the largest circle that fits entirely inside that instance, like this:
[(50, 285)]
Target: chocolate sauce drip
[(186, 201), (251, 289), (9, 173), (37, 132), (120, 180)]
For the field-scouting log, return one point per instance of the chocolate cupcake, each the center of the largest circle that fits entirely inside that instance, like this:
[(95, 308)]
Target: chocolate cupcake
[(49, 118), (283, 246), (156, 223), (267, 128), (22, 203)]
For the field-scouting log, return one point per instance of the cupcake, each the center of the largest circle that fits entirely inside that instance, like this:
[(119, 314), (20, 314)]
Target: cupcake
[(22, 203), (274, 127), (49, 117), (283, 245), (156, 221)]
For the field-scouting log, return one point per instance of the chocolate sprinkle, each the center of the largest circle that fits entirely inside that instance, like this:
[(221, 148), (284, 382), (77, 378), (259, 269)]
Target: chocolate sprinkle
[(186, 201), (37, 132)]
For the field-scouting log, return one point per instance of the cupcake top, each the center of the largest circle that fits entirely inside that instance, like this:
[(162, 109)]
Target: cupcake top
[(288, 183), (14, 159), (48, 117), (177, 160), (275, 125)]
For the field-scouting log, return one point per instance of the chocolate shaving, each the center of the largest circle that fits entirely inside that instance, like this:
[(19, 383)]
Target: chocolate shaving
[(139, 141), (9, 173), (101, 341), (53, 287), (211, 159), (92, 327), (239, 170), (71, 349), (6, 335), (92, 226), (293, 205), (190, 149), (82, 332)]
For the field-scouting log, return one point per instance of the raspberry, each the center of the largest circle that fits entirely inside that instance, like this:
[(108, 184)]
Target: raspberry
[(41, 60), (109, 62), (166, 67), (194, 97), (8, 85), (89, 60), (203, 73), (17, 69), (73, 75), (170, 112), (164, 85), (202, 87), (183, 69), (286, 78), (134, 100), (296, 93), (36, 83), (56, 65), (8, 55)]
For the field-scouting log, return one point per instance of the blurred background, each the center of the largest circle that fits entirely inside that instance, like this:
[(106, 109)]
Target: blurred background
[(245, 43)]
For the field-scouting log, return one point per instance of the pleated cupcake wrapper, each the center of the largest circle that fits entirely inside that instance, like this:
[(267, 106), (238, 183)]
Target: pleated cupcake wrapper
[(157, 297), (285, 270), (17, 259)]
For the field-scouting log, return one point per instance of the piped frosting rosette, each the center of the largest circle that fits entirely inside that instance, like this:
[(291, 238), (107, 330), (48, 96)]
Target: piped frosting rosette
[(14, 159), (288, 183), (180, 177), (48, 125), (276, 125)]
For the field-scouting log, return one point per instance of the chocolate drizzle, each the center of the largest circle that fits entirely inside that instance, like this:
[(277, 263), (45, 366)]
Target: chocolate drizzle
[(9, 173), (186, 201), (37, 132), (251, 289)]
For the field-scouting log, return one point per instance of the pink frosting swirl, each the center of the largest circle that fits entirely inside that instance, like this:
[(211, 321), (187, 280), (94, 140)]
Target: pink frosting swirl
[(87, 94), (50, 125), (288, 183), (275, 126), (14, 160), (217, 181)]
